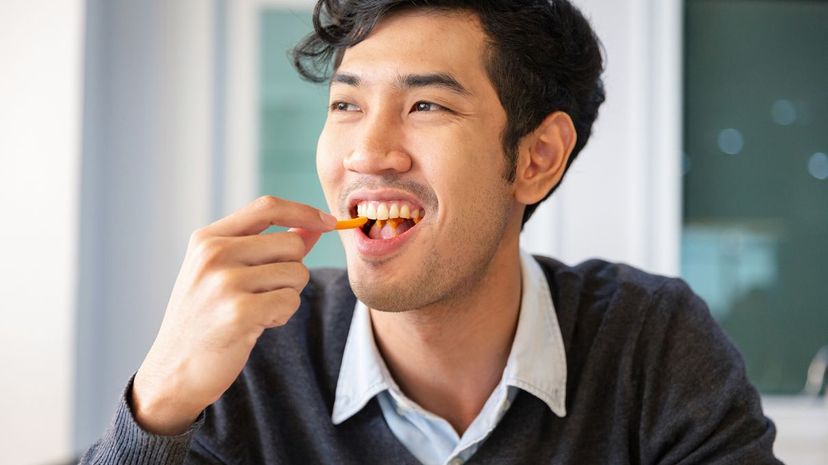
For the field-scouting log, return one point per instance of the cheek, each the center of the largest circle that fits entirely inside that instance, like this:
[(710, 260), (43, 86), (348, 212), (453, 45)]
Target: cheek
[(467, 198), (468, 178)]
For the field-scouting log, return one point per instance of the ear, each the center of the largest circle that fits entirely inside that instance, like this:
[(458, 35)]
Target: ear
[(542, 157)]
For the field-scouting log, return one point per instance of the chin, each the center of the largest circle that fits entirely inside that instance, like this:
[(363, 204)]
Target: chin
[(384, 291), (385, 298)]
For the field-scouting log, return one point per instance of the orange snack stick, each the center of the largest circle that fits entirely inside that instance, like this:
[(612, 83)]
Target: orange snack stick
[(351, 223)]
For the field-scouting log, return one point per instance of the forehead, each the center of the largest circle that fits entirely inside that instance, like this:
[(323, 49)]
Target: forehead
[(421, 41)]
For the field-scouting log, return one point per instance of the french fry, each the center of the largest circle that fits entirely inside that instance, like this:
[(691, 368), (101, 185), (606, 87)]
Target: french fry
[(351, 223)]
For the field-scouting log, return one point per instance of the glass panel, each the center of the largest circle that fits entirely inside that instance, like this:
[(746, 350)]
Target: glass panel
[(292, 112), (755, 240)]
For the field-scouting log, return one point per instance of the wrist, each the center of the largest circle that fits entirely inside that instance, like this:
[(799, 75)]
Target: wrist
[(160, 412)]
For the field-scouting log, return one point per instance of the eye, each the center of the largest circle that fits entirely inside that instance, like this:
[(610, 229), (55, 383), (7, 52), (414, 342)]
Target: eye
[(343, 106), (427, 106)]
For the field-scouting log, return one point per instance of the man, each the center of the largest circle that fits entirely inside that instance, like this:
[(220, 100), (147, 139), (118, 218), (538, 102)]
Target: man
[(449, 121)]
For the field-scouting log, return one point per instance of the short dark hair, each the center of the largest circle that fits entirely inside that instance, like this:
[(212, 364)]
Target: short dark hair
[(543, 57)]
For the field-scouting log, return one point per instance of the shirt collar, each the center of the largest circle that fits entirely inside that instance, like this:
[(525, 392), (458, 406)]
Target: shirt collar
[(536, 363), (363, 373)]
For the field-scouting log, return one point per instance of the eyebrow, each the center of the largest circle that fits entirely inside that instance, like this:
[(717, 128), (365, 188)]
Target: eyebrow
[(410, 81), (347, 79), (444, 80)]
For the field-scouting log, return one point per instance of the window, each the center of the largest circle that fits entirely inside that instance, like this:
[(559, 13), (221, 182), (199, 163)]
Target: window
[(292, 113), (755, 236)]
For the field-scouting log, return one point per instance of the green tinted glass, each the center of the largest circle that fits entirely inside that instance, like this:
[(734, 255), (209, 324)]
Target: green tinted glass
[(755, 239), (292, 112)]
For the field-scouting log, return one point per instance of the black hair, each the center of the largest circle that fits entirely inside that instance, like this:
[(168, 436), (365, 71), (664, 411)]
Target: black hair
[(543, 56)]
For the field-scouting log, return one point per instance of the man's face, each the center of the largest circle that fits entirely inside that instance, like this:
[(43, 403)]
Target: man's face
[(416, 122)]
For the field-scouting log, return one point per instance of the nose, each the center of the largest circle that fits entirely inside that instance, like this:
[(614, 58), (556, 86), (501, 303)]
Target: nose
[(378, 148)]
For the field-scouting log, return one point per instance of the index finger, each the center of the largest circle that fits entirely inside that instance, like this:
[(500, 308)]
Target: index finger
[(271, 211)]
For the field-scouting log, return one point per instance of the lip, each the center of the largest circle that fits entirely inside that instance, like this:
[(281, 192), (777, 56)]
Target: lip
[(377, 248)]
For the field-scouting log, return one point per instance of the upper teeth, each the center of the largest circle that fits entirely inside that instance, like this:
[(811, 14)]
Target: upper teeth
[(384, 210)]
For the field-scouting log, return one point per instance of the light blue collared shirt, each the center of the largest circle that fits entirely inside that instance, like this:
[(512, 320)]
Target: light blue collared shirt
[(536, 364)]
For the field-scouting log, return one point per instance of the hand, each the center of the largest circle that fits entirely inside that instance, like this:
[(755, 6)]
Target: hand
[(234, 283)]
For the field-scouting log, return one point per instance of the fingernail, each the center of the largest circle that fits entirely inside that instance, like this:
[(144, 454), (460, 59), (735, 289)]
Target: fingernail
[(329, 220)]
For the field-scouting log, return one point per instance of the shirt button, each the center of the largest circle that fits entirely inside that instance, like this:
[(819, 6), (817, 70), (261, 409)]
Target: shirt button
[(456, 461)]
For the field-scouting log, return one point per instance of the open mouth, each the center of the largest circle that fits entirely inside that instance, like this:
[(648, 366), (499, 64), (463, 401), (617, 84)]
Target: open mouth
[(388, 219)]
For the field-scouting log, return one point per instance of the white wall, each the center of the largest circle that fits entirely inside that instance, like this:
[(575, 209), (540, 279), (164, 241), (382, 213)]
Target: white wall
[(147, 168), (801, 428), (40, 90)]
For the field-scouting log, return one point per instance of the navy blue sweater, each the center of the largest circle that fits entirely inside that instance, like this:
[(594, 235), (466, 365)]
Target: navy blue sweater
[(651, 380)]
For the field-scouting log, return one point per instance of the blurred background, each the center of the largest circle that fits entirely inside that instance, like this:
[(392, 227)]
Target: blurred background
[(127, 124)]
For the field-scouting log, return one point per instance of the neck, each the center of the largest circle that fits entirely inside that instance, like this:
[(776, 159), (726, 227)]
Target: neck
[(450, 356)]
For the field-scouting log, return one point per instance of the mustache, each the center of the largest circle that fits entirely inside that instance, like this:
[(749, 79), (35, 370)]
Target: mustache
[(418, 190)]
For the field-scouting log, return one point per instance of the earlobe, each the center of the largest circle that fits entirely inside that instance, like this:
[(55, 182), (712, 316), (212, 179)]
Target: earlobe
[(543, 157)]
